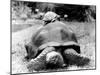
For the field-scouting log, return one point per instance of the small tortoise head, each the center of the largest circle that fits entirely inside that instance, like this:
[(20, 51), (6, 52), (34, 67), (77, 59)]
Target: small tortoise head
[(49, 17), (31, 53)]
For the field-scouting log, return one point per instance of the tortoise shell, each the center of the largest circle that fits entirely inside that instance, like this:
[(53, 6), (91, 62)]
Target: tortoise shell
[(53, 34)]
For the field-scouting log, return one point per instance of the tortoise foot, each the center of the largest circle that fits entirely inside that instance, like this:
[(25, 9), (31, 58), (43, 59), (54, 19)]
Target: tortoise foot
[(73, 58)]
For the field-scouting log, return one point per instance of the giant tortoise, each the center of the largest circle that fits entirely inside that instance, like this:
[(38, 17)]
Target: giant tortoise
[(51, 45)]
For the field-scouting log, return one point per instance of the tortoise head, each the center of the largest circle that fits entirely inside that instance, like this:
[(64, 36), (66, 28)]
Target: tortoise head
[(54, 59), (31, 52)]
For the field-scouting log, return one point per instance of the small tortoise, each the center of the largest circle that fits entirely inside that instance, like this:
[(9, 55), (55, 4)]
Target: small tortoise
[(51, 46)]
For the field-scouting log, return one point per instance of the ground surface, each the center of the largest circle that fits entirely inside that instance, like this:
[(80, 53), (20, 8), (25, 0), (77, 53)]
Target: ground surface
[(23, 30)]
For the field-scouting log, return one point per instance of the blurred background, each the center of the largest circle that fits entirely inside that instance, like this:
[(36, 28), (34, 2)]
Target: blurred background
[(81, 13)]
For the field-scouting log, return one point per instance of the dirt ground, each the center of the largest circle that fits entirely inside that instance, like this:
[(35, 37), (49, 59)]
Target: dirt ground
[(22, 32)]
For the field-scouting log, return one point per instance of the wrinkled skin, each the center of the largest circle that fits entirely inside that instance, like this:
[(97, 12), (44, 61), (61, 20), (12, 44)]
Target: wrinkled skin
[(39, 63), (54, 60), (49, 58)]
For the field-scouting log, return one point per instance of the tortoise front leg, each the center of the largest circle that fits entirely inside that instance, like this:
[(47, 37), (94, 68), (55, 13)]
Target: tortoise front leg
[(71, 57), (39, 63)]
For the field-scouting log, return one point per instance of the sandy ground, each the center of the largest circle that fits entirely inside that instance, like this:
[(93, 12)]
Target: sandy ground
[(85, 33)]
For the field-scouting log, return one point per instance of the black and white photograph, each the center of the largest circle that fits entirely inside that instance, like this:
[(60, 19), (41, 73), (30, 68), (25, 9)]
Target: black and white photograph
[(52, 37)]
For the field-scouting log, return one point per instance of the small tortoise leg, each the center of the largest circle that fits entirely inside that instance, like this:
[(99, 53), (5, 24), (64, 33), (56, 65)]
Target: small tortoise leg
[(73, 58)]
